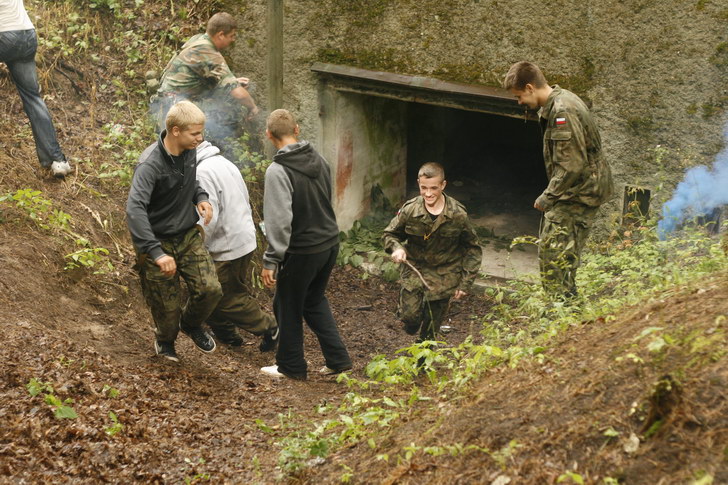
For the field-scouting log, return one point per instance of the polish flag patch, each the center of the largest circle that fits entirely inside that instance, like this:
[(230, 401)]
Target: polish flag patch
[(560, 121)]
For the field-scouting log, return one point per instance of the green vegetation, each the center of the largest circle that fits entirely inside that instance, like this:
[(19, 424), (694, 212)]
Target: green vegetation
[(38, 209), (361, 246), (61, 408), (623, 271)]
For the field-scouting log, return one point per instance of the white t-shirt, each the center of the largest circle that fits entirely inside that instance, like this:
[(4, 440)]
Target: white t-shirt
[(13, 16)]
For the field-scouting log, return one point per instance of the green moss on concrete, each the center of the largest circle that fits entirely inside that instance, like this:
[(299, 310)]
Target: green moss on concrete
[(641, 125), (384, 59), (720, 57), (361, 12), (580, 82), (471, 73), (714, 107)]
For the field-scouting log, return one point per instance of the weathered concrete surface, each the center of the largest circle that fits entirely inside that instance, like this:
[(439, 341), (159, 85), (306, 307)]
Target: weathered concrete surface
[(655, 71)]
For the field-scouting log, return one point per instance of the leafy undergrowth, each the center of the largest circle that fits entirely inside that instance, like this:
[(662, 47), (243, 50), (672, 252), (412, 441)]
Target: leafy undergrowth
[(626, 386)]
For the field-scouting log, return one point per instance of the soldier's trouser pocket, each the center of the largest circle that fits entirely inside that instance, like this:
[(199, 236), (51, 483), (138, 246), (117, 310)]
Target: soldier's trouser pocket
[(562, 239), (196, 267), (162, 295)]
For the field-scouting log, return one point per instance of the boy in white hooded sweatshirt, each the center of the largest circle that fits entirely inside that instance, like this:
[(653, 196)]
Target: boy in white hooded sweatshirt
[(230, 239)]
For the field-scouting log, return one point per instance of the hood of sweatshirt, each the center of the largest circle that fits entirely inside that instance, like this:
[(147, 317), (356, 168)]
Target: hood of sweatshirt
[(206, 150), (300, 157)]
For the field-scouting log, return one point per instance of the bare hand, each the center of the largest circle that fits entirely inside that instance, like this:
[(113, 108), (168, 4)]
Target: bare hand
[(269, 279), (244, 81), (459, 294), (167, 264), (536, 206), (252, 113), (205, 209), (399, 255)]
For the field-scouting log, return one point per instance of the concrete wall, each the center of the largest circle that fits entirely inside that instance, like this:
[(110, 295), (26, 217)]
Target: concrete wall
[(655, 71), (356, 137)]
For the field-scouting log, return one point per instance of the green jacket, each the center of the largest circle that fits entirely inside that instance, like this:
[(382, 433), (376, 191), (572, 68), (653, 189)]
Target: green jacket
[(445, 251), (197, 69), (572, 150)]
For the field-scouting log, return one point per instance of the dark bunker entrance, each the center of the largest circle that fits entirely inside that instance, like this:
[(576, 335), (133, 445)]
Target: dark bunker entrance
[(493, 164), (379, 128)]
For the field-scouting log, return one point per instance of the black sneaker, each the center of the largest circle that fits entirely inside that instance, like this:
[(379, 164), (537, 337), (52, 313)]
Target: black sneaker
[(166, 350), (228, 337), (270, 340), (202, 339), (328, 371)]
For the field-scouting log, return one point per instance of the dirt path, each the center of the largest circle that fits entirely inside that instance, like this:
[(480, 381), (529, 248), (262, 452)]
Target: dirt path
[(180, 421)]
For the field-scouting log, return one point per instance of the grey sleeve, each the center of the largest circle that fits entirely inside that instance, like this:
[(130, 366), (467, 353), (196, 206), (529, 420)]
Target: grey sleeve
[(201, 194), (137, 217), (277, 214)]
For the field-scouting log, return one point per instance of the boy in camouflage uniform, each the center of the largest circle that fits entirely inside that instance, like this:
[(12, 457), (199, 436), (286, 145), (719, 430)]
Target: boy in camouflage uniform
[(200, 74), (433, 232), (162, 220), (580, 179)]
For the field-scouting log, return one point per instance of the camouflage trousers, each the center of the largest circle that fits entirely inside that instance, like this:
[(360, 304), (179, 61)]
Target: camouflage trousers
[(564, 231), (420, 314), (163, 293), (237, 307)]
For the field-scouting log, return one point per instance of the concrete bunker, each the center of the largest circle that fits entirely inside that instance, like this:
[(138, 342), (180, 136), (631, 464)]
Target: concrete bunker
[(377, 129)]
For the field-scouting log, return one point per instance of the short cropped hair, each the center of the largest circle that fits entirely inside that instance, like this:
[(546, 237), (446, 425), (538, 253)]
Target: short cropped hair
[(184, 114), (221, 22), (522, 73), (430, 170), (281, 123)]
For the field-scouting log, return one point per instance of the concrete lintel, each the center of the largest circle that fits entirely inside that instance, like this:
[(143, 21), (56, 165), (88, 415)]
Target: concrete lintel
[(422, 89)]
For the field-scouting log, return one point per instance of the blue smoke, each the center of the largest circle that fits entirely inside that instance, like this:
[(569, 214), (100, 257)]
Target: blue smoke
[(702, 190)]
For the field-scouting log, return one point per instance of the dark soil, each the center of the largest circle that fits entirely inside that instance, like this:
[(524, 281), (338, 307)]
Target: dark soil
[(81, 336)]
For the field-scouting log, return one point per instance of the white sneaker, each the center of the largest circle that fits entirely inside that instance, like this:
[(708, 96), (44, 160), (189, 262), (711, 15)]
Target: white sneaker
[(271, 370), (60, 169)]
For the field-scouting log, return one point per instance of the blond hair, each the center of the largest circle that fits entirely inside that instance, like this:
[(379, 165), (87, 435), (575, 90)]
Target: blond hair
[(221, 22), (431, 170), (522, 73), (281, 123), (184, 114)]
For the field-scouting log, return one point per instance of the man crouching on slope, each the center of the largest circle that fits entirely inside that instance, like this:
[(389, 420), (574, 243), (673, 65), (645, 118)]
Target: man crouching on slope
[(162, 220), (303, 242)]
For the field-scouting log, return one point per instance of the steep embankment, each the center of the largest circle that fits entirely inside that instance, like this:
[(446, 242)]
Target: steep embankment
[(638, 399)]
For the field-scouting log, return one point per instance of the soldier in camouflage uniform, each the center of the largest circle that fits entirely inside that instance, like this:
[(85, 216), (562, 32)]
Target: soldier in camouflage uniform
[(162, 220), (580, 179), (434, 233), (200, 74)]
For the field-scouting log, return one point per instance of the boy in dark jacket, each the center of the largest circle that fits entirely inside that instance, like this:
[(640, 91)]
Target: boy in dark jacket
[(303, 242), (162, 220)]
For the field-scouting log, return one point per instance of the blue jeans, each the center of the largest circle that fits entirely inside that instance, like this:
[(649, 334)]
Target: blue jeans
[(17, 51)]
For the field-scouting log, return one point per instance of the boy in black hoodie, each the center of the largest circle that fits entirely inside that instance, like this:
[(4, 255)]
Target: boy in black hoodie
[(303, 242)]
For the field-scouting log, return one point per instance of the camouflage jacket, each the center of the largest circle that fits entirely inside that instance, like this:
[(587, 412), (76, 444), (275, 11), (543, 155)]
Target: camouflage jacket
[(197, 69), (445, 251), (572, 151)]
